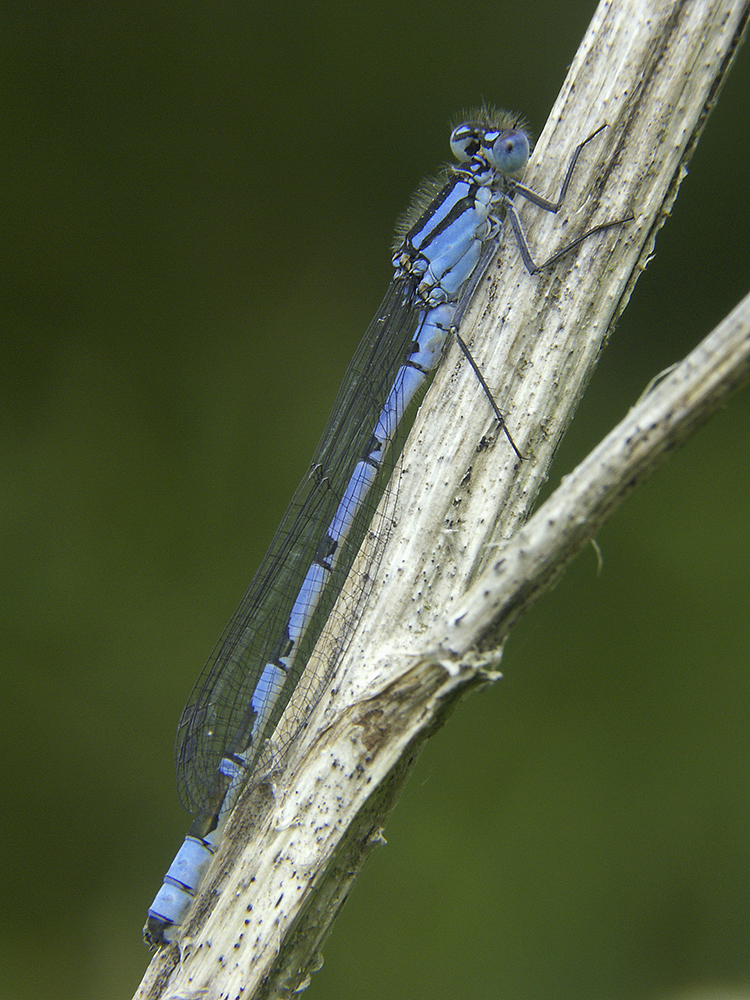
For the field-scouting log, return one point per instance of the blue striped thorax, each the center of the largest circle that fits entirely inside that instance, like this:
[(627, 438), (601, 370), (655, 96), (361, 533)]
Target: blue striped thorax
[(442, 245)]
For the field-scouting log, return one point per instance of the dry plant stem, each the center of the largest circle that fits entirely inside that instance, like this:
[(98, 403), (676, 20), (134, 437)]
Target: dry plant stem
[(459, 568), (537, 553)]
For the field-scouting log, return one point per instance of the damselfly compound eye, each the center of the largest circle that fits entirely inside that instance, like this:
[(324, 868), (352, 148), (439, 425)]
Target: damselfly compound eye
[(507, 150), (466, 140)]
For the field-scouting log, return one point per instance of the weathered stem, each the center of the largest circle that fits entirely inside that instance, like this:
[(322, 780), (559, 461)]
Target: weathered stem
[(459, 567)]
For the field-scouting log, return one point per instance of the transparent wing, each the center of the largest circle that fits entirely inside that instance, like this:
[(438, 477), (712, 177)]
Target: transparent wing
[(217, 709)]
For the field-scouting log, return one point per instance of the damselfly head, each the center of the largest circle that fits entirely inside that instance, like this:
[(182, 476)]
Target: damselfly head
[(500, 137)]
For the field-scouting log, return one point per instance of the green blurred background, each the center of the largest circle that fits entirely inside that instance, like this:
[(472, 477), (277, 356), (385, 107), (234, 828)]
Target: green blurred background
[(197, 204)]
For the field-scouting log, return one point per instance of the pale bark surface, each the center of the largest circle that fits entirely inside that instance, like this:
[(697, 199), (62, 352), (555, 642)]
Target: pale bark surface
[(464, 560)]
